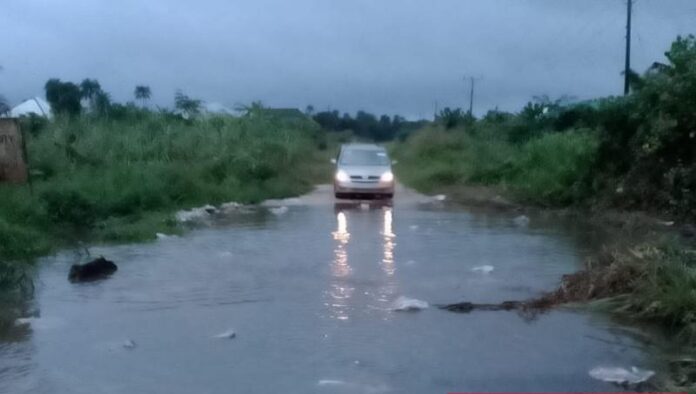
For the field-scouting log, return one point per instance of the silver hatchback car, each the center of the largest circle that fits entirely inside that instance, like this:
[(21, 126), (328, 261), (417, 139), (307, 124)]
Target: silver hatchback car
[(363, 169)]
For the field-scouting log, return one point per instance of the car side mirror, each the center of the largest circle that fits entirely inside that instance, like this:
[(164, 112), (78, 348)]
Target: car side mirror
[(394, 162), (333, 161)]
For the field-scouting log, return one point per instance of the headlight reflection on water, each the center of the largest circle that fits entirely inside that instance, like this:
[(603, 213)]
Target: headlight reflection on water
[(340, 292), (388, 243)]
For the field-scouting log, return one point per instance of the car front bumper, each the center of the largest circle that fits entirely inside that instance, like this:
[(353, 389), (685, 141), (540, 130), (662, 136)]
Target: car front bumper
[(364, 187)]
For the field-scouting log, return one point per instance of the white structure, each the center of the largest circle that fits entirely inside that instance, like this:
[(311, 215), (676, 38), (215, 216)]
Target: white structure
[(35, 105), (216, 109)]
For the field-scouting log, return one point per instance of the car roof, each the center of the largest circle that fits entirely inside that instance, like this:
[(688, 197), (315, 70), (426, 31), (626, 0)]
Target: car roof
[(362, 147)]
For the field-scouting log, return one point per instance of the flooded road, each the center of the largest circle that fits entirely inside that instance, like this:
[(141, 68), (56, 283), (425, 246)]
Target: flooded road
[(309, 294)]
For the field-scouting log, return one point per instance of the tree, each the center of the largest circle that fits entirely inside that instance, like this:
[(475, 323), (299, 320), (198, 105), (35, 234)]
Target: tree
[(89, 88), (4, 106), (64, 97), (142, 93), (188, 106), (101, 103), (309, 111)]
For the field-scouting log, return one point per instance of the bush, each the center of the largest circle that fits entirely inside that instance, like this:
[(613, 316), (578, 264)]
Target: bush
[(69, 207), (555, 168)]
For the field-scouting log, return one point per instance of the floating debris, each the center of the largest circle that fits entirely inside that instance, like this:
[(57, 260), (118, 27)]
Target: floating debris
[(364, 206), (129, 344), (230, 207), (620, 375), (440, 197), (354, 387), (279, 210), (521, 221), (195, 214), (484, 269), (162, 236), (229, 334), (96, 269), (293, 201), (466, 307), (405, 304)]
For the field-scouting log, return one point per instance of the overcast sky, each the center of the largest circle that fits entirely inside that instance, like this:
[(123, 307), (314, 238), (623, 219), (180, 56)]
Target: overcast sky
[(384, 56)]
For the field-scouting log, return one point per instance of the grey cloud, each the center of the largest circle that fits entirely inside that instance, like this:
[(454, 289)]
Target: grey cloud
[(389, 56)]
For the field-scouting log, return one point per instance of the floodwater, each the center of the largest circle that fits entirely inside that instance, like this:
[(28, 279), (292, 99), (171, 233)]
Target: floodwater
[(309, 294)]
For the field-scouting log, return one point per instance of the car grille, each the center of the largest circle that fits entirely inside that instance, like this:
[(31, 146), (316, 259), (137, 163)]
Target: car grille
[(362, 179)]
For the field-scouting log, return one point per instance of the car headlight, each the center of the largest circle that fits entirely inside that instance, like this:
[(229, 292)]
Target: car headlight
[(341, 176), (387, 177)]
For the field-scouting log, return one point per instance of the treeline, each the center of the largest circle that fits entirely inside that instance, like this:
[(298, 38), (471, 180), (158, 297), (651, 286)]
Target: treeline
[(366, 125)]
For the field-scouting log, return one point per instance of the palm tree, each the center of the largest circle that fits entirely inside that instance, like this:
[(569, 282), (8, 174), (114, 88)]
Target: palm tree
[(89, 89), (142, 93)]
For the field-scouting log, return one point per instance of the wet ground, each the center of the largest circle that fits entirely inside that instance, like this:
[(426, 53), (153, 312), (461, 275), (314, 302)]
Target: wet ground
[(309, 294)]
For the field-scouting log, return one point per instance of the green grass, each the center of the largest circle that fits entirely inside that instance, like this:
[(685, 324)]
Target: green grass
[(120, 180), (549, 170)]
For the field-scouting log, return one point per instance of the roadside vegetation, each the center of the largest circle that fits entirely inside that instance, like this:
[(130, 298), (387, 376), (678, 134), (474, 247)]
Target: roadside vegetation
[(632, 153), (118, 172)]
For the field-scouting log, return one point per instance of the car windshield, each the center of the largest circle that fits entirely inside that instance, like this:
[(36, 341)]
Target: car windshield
[(364, 157)]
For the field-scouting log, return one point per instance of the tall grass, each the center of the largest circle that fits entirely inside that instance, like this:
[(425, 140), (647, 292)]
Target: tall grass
[(551, 169), (107, 179)]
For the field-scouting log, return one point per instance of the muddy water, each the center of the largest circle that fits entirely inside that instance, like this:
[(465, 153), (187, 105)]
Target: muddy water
[(309, 294)]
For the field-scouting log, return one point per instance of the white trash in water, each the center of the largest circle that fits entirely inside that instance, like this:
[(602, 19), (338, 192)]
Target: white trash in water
[(330, 382), (353, 387), (621, 375), (279, 210), (522, 221), (129, 344), (162, 236), (230, 206), (229, 334), (485, 269), (440, 197), (40, 323), (409, 304), (195, 214)]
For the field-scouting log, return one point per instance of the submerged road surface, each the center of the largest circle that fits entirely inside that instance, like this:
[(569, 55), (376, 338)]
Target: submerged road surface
[(302, 301)]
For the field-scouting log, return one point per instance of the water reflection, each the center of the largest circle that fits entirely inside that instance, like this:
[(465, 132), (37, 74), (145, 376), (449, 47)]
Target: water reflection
[(388, 244), (388, 288), (340, 291)]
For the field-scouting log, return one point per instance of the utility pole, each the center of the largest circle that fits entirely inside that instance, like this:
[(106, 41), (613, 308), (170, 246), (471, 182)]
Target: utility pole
[(472, 80), (471, 97), (627, 71)]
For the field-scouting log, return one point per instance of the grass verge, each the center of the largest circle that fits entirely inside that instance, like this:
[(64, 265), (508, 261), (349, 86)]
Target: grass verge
[(106, 180)]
